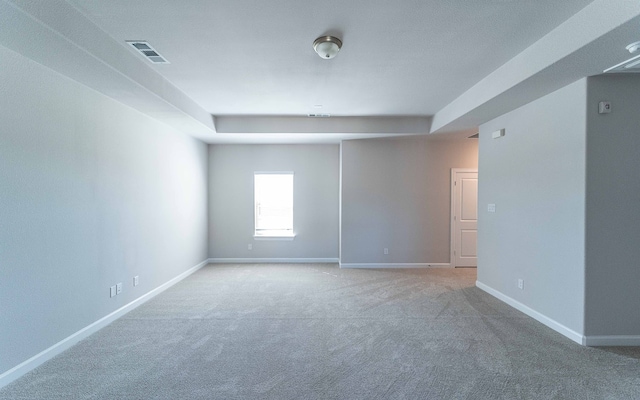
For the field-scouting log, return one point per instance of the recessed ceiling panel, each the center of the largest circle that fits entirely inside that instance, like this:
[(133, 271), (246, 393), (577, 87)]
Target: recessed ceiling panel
[(250, 57)]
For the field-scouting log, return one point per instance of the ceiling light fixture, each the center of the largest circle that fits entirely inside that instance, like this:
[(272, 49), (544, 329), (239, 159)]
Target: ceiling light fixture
[(633, 47), (327, 47), (630, 65)]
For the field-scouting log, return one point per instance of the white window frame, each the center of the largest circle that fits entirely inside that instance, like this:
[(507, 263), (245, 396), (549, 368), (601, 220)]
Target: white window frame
[(272, 234)]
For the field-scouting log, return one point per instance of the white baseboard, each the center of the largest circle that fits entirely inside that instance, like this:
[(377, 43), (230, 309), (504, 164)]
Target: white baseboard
[(556, 326), (45, 355), (612, 340), (395, 265), (273, 260)]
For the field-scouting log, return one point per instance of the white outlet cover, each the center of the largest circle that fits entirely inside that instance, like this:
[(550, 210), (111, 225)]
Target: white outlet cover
[(112, 291), (491, 208), (135, 280), (119, 288)]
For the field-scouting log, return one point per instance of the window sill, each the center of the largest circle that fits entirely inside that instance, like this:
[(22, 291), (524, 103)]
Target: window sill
[(274, 236)]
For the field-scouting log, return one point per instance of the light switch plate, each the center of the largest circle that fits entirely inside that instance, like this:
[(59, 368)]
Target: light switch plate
[(112, 291)]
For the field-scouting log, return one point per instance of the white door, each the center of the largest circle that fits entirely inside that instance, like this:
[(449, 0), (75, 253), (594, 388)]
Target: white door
[(464, 217)]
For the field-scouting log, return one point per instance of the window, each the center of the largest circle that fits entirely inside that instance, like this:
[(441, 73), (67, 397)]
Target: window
[(273, 196)]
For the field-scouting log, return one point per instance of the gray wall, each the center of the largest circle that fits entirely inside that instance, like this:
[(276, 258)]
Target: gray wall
[(92, 193), (316, 185), (396, 194), (613, 197), (536, 177)]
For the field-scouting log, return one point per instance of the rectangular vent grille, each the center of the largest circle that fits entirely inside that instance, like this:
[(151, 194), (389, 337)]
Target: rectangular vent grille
[(319, 115), (631, 65), (147, 51)]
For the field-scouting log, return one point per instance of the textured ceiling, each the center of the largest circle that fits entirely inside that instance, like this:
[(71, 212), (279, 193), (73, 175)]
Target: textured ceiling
[(252, 57), (244, 71)]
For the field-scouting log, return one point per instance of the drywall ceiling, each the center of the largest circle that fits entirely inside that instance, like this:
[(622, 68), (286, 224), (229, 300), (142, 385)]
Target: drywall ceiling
[(255, 57), (408, 67)]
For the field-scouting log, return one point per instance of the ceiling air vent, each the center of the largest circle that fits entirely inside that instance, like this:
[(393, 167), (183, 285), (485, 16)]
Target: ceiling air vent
[(149, 52), (319, 115)]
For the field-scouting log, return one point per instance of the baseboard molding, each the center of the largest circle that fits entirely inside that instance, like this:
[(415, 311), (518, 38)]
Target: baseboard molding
[(273, 260), (556, 326), (45, 355), (612, 340), (395, 265)]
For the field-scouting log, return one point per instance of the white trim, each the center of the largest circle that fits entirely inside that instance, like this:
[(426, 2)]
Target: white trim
[(47, 354), (340, 205), (452, 226), (556, 326), (612, 340), (273, 173), (273, 260), (274, 237), (395, 265)]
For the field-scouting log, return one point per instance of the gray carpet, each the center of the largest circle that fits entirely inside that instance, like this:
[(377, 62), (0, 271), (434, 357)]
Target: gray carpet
[(318, 332)]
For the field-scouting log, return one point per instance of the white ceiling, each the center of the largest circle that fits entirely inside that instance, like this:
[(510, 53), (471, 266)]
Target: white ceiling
[(243, 59), (255, 57)]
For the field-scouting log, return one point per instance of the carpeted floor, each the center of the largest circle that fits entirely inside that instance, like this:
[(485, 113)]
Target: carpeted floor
[(319, 332)]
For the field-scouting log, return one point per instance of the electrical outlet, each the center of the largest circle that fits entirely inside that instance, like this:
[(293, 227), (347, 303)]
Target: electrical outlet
[(112, 291), (250, 246), (135, 280), (119, 288), (386, 251), (521, 284)]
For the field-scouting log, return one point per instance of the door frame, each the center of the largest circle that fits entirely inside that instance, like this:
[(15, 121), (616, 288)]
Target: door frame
[(454, 171)]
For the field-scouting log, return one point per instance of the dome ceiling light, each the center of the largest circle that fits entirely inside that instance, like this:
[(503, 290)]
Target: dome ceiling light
[(630, 65), (327, 47), (633, 47)]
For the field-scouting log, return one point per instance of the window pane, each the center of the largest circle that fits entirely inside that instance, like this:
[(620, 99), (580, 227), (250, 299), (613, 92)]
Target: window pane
[(273, 204)]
